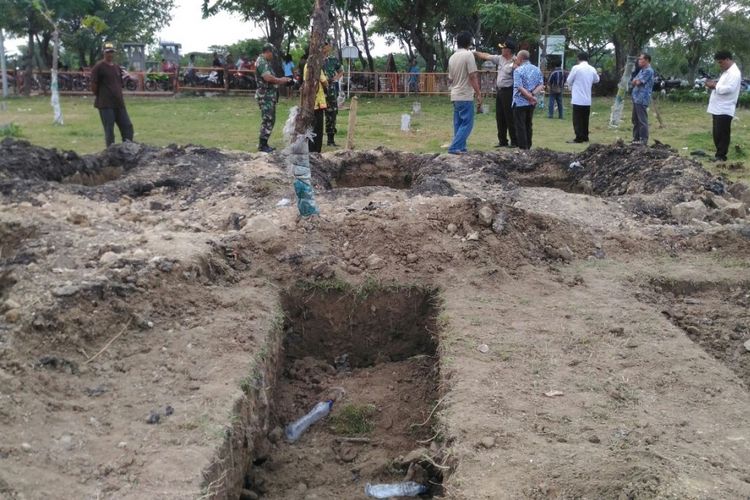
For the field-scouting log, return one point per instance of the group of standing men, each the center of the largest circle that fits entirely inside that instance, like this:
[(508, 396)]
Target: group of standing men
[(519, 82)]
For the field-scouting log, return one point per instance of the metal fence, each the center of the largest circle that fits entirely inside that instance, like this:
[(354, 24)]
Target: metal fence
[(233, 81)]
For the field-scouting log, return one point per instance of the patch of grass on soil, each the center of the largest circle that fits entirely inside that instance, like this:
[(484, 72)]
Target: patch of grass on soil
[(353, 420)]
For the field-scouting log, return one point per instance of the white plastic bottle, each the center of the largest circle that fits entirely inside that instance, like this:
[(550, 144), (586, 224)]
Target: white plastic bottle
[(406, 489), (294, 430)]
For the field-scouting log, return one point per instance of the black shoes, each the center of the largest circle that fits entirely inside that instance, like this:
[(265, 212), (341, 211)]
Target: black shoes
[(263, 147)]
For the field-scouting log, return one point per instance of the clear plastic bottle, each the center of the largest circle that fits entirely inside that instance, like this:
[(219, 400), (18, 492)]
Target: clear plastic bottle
[(406, 489), (294, 430)]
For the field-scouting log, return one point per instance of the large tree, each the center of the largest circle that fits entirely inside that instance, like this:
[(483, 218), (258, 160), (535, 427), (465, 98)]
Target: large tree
[(697, 33)]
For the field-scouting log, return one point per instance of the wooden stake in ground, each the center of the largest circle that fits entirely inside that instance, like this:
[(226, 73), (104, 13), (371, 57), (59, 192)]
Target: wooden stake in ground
[(352, 122)]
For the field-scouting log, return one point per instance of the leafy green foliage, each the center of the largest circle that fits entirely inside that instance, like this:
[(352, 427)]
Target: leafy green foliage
[(10, 130)]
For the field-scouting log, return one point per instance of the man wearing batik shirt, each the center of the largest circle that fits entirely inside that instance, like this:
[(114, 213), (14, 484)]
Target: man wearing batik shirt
[(643, 84), (527, 82)]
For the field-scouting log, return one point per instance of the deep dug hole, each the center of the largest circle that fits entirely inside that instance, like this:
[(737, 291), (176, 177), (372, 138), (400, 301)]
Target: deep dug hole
[(374, 352)]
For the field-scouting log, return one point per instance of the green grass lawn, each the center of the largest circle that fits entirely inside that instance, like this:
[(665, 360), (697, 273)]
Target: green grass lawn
[(233, 122)]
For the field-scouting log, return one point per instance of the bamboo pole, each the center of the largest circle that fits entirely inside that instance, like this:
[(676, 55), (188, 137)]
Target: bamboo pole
[(352, 122)]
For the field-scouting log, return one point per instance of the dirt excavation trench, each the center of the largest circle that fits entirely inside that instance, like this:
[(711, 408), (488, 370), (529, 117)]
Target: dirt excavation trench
[(520, 325), (373, 353)]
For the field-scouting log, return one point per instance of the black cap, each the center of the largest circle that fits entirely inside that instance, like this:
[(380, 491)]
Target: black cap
[(509, 43)]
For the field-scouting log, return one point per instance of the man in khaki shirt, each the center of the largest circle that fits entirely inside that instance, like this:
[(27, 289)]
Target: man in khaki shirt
[(462, 73), (503, 109)]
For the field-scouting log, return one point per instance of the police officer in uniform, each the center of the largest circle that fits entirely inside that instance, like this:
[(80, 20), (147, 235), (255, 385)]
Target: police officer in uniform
[(267, 95)]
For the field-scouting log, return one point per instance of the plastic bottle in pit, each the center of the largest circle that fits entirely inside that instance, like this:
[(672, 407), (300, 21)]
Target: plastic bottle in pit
[(406, 489), (294, 430)]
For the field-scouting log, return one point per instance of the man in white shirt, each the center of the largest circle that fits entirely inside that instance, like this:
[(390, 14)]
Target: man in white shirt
[(581, 78), (462, 73), (723, 102)]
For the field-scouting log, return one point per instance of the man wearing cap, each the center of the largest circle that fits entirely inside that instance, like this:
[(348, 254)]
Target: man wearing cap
[(333, 71), (504, 96), (723, 102), (267, 95), (106, 85), (528, 82)]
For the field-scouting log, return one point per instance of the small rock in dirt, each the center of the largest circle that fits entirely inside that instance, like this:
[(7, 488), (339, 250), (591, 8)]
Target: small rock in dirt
[(66, 442), (26, 447), (689, 210), (56, 363), (617, 331), (473, 236), (122, 444), (563, 253), (594, 439), (415, 455), (93, 392), (631, 343), (554, 394), (747, 345), (487, 442), (13, 316), (736, 210), (275, 435), (452, 228), (692, 301), (499, 223), (374, 262), (248, 495), (348, 453), (412, 258), (153, 418), (10, 304), (156, 205), (66, 291), (417, 473), (108, 258), (486, 214), (483, 348), (168, 411)]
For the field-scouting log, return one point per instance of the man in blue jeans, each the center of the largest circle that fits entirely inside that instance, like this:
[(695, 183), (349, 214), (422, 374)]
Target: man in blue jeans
[(462, 73), (555, 85)]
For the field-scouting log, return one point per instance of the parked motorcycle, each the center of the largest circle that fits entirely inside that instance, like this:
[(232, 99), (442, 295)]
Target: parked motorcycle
[(128, 81)]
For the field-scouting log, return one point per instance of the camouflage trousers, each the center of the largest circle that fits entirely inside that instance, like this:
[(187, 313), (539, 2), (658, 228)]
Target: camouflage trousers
[(332, 110), (267, 117)]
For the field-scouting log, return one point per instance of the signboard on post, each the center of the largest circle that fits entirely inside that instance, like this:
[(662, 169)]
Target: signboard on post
[(349, 53), (555, 47)]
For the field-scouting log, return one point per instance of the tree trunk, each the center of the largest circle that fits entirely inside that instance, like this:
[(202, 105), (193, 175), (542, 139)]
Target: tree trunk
[(620, 54), (314, 65), (44, 50), (3, 73), (443, 55), (29, 74), (365, 39)]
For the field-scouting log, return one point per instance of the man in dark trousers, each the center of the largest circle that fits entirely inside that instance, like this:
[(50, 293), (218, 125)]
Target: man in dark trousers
[(267, 95), (504, 96), (333, 71), (106, 84), (723, 102)]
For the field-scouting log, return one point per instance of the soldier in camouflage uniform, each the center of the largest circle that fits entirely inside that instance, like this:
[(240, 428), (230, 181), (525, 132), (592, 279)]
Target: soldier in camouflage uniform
[(267, 95), (333, 71)]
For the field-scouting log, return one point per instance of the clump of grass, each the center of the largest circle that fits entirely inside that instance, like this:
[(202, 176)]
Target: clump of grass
[(353, 420), (10, 130)]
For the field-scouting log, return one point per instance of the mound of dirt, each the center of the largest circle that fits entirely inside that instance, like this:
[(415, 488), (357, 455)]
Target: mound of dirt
[(492, 324)]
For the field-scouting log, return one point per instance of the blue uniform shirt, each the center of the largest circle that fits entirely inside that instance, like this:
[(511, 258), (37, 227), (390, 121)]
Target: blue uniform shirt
[(642, 93), (527, 76)]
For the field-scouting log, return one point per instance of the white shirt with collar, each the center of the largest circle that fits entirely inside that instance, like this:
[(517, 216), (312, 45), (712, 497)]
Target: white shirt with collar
[(723, 100), (582, 76)]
